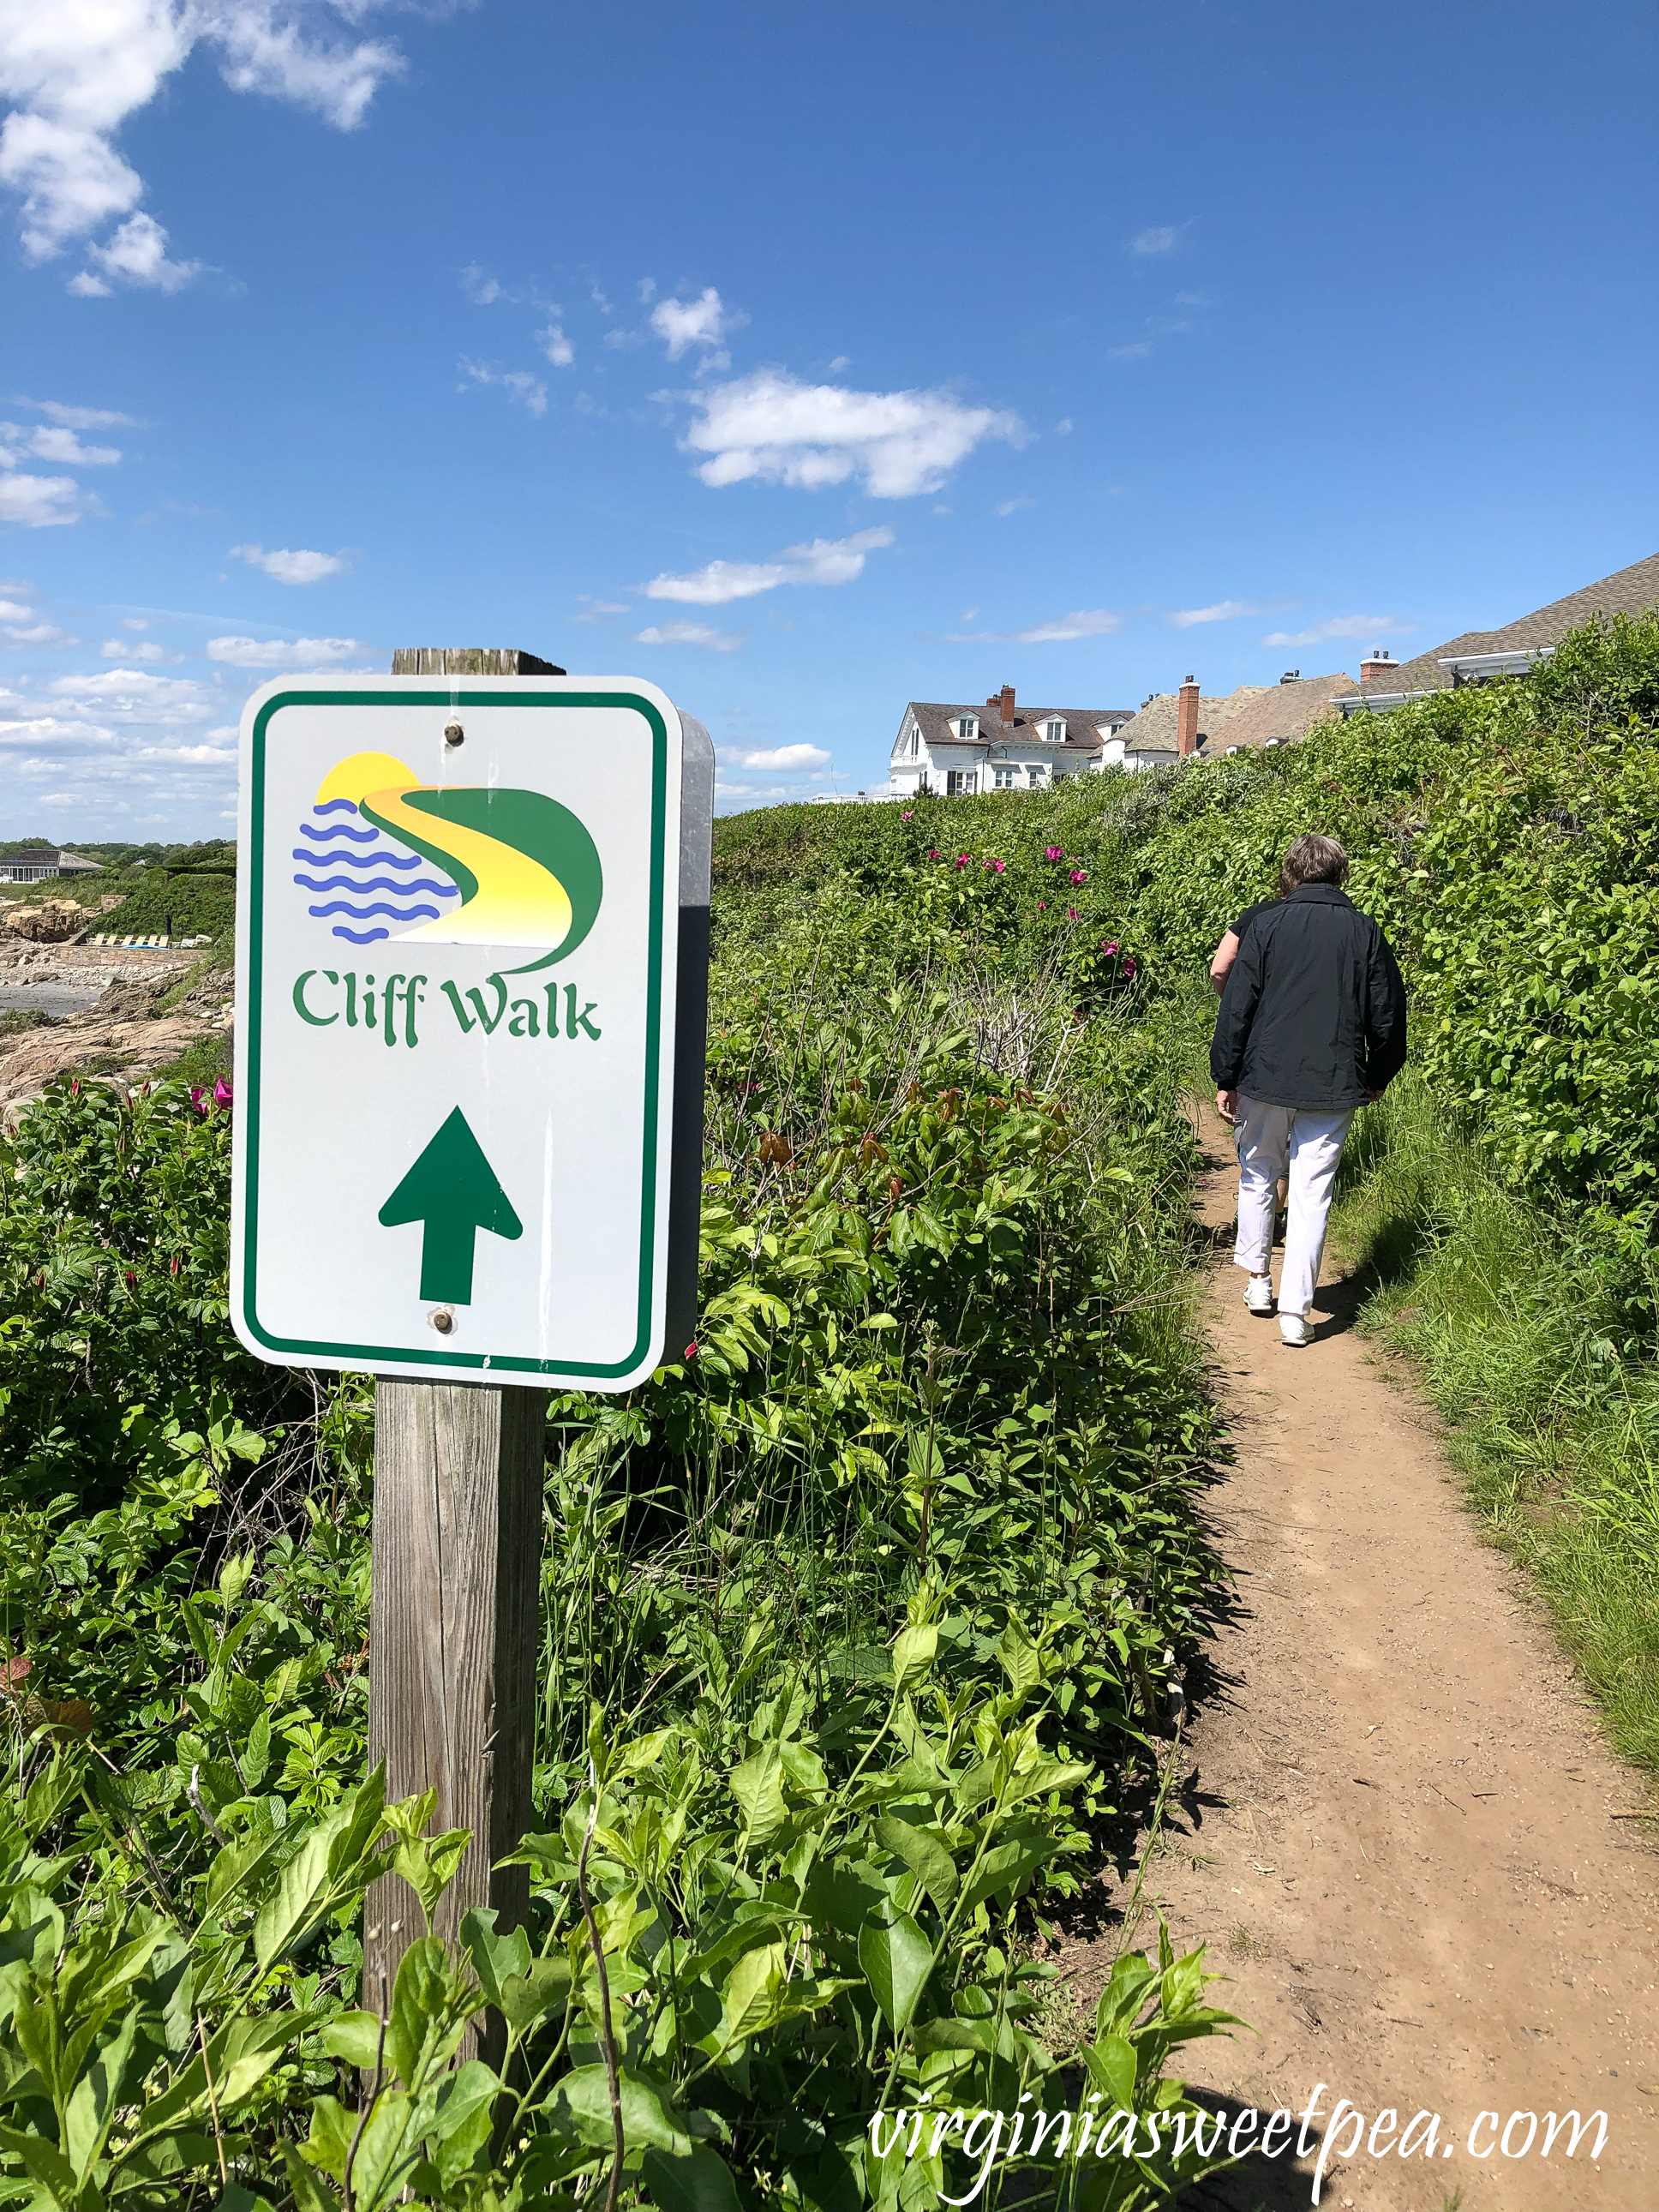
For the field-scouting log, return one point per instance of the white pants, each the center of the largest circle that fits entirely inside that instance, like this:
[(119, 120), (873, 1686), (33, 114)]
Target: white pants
[(1305, 1145)]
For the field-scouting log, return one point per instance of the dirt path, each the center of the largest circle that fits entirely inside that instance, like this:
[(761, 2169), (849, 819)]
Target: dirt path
[(1396, 1837)]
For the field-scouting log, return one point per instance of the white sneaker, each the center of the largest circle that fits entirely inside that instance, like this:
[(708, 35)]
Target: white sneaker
[(1258, 1294), (1295, 1329)]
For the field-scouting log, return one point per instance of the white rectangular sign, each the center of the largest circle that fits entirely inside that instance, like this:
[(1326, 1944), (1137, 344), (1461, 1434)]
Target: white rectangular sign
[(456, 960)]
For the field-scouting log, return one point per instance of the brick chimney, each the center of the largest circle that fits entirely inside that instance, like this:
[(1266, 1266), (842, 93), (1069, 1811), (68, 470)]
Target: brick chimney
[(1187, 717), (1001, 704), (1378, 666)]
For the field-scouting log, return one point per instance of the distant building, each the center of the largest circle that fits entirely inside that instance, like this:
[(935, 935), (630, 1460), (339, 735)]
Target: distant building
[(41, 864), (956, 751), (1277, 713), (1480, 654)]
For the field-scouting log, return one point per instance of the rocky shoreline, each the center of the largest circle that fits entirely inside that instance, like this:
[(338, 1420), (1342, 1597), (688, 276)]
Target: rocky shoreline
[(97, 1008)]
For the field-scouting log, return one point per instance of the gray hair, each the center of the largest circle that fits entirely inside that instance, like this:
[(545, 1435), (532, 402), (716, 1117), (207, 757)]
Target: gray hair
[(1312, 859)]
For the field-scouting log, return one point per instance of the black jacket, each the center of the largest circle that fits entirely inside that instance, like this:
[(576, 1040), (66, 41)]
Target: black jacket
[(1313, 1014)]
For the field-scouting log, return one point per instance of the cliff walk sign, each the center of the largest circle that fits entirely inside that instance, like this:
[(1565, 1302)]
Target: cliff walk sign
[(460, 953)]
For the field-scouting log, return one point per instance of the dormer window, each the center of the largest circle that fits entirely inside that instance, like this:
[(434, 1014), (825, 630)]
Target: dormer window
[(967, 728), (1054, 732)]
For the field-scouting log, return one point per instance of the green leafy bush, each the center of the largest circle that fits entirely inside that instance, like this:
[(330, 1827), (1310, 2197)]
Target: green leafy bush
[(853, 1619)]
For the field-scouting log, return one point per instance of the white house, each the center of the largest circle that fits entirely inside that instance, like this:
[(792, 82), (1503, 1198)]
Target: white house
[(955, 751), (41, 863)]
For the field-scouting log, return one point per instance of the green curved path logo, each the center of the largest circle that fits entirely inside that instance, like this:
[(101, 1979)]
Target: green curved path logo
[(526, 868)]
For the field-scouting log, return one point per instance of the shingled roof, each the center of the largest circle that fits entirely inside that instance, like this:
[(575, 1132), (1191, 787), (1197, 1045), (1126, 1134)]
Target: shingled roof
[(1280, 713), (1632, 591), (1153, 729), (1083, 724)]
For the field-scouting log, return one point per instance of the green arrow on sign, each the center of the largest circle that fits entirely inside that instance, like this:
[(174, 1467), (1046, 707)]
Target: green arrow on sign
[(453, 1189)]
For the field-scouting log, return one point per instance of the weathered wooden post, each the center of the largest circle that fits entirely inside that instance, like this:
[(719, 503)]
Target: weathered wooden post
[(555, 1176)]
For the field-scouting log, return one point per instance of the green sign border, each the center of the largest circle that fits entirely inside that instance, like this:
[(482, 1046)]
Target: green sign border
[(376, 1356)]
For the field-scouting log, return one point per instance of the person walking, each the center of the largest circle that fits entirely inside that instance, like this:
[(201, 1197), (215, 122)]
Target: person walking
[(1312, 1026)]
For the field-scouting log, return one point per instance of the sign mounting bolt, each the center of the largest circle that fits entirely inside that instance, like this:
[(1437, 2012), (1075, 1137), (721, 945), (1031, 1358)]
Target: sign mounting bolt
[(453, 734), (443, 1321)]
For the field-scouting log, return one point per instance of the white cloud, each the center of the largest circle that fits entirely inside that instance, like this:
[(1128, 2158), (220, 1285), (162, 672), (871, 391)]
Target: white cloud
[(119, 649), (593, 609), (1223, 611), (272, 653), (46, 733), (49, 442), (80, 418), (690, 633), (701, 322), (775, 428), (134, 621), (825, 560), (1063, 428), (136, 255), (519, 386), (1161, 238), (37, 503), (1340, 626), (554, 344), (787, 757), (1007, 506), (1087, 621), (41, 634), (483, 291), (136, 694), (15, 611), (74, 70), (138, 756), (1139, 351), (286, 567)]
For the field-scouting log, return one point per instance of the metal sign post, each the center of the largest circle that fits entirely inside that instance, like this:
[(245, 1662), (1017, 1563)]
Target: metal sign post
[(472, 945)]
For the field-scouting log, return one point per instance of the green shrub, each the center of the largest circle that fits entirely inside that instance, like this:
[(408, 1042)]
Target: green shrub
[(196, 903), (855, 1616)]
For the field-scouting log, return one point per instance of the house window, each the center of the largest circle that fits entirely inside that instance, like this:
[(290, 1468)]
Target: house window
[(1054, 732), (959, 782), (967, 728), (1007, 775), (1038, 773)]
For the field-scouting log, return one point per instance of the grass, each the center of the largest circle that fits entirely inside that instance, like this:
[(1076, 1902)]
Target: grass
[(1534, 1336)]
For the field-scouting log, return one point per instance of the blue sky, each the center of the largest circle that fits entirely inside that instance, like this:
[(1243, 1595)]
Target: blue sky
[(806, 360)]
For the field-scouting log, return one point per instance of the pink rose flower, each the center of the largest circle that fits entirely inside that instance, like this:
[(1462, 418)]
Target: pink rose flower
[(932, 852), (1071, 913), (907, 816), (1109, 946), (1053, 853), (1129, 967), (962, 860), (1077, 876)]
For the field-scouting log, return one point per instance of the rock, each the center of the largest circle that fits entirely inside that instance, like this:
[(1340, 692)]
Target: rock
[(51, 922), (123, 1038)]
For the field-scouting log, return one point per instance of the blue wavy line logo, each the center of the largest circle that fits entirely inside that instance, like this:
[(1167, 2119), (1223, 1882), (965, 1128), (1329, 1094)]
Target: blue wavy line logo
[(332, 842)]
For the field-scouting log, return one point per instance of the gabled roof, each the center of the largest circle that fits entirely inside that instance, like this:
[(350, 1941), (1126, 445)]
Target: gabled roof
[(1630, 590), (1280, 713), (1083, 724), (1154, 728)]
